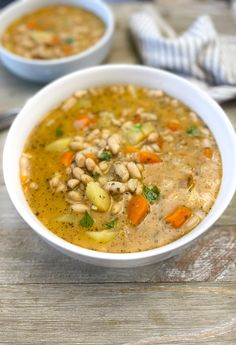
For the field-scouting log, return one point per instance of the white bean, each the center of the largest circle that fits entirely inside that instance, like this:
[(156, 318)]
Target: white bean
[(114, 143), (77, 172), (72, 183), (104, 166), (74, 195), (155, 93), (80, 93), (76, 145), (105, 133), (86, 178), (115, 187), (61, 188), (122, 171), (90, 164), (117, 207), (69, 104), (133, 170), (132, 184), (93, 134), (33, 185), (79, 208), (153, 137), (80, 159)]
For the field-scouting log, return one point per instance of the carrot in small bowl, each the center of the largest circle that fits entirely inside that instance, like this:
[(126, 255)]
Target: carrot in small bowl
[(173, 126), (208, 152), (130, 149), (32, 24), (84, 121), (138, 208), (179, 216), (67, 158), (92, 156), (148, 157)]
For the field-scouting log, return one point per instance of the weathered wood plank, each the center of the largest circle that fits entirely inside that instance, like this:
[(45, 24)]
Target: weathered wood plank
[(118, 314)]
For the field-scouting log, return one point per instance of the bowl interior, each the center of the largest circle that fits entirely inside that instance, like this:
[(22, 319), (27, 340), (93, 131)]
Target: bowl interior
[(54, 93)]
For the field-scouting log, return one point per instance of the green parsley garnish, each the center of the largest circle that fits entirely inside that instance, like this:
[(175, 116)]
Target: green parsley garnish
[(151, 194), (111, 224), (86, 221), (69, 40), (96, 175), (193, 131), (105, 156), (59, 132), (137, 127)]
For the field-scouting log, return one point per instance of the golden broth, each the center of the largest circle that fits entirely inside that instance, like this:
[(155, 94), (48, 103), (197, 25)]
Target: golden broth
[(155, 160), (53, 32)]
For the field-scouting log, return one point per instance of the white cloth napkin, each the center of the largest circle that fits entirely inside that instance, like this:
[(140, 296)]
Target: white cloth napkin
[(199, 54)]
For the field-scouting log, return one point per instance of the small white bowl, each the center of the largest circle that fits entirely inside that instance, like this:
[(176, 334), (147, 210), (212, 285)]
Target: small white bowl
[(48, 70), (53, 94)]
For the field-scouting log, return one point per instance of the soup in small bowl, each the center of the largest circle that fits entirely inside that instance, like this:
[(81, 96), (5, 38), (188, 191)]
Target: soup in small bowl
[(42, 40), (120, 165), (53, 32)]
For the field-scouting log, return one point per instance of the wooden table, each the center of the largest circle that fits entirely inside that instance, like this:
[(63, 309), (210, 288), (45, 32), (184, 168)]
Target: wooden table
[(48, 298)]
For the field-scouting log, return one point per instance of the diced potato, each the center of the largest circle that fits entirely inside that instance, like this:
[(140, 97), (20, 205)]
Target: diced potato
[(98, 196), (105, 118), (136, 133), (67, 218), (59, 145), (102, 236), (132, 90), (134, 136), (42, 36), (148, 128)]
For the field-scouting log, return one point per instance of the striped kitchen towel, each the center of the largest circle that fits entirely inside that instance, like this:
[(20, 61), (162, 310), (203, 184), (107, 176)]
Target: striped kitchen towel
[(199, 54)]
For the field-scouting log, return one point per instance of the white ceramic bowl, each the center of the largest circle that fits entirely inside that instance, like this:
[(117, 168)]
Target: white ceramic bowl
[(53, 94), (47, 70)]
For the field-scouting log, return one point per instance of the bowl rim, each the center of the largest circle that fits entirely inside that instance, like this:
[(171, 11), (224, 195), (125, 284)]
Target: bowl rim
[(71, 58), (50, 237)]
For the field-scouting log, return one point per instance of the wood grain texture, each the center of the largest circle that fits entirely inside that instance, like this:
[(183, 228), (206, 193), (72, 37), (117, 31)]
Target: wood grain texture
[(48, 298), (117, 314)]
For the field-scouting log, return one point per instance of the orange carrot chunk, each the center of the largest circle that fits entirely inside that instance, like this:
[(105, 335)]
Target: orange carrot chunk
[(173, 126), (138, 208), (148, 157), (84, 121), (67, 158), (67, 49), (32, 24), (130, 149), (207, 151), (91, 155), (178, 217)]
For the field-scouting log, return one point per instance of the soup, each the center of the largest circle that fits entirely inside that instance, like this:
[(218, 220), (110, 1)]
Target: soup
[(53, 32), (121, 169)]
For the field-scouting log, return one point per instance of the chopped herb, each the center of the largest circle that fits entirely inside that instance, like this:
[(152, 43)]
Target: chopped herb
[(111, 224), (137, 127), (193, 131), (96, 175), (86, 221), (105, 156), (59, 132), (151, 194), (69, 40)]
